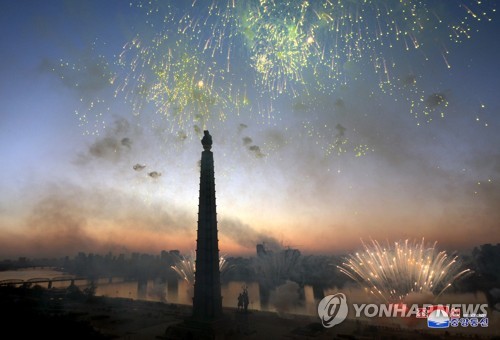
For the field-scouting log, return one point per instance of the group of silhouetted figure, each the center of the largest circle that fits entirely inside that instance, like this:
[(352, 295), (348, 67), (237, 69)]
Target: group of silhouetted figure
[(243, 301)]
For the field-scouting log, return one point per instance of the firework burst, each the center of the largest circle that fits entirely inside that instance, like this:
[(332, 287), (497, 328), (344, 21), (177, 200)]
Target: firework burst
[(185, 267), (274, 268), (179, 82), (196, 63), (391, 273), (204, 54)]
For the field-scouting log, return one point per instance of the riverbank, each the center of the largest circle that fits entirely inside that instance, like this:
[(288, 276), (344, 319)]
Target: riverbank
[(60, 314)]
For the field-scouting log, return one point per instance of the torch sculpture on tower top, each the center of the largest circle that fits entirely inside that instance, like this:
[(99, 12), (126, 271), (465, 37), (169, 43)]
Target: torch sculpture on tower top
[(207, 300), (206, 141)]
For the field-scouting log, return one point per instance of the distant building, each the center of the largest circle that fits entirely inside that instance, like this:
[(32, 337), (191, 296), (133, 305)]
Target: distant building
[(261, 250)]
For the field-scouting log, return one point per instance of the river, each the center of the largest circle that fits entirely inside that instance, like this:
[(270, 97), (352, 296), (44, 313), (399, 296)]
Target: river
[(285, 299)]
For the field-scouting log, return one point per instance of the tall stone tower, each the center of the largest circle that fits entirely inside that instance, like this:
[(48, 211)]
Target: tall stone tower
[(207, 320), (207, 300)]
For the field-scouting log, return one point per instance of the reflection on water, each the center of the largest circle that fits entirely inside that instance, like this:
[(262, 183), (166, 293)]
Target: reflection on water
[(286, 299), (179, 291)]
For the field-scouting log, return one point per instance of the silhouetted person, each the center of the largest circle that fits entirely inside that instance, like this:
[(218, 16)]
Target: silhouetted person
[(245, 300), (240, 302)]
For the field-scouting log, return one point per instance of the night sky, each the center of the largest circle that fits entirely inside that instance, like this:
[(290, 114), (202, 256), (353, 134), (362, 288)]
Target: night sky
[(331, 124)]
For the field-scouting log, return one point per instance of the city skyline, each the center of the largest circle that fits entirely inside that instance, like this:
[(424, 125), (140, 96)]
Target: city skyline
[(86, 169)]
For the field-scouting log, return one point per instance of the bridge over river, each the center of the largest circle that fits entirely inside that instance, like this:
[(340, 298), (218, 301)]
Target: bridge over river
[(42, 280)]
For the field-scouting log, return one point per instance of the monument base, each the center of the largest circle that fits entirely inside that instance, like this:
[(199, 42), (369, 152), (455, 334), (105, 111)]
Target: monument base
[(191, 328)]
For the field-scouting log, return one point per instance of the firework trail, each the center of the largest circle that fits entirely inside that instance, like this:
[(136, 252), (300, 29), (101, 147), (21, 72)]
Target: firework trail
[(391, 273)]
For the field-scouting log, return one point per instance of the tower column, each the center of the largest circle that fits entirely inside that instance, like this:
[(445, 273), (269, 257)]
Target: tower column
[(207, 300), (207, 320)]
